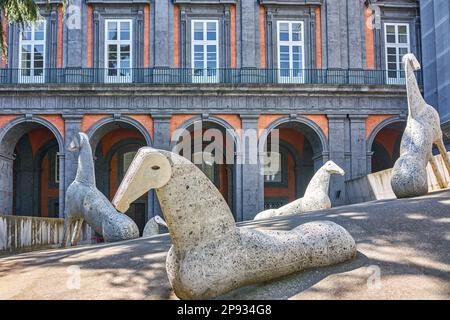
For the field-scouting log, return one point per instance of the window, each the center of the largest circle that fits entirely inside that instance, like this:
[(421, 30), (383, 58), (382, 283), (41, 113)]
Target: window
[(127, 159), (205, 50), (272, 167), (32, 53), (291, 61), (397, 45), (118, 61)]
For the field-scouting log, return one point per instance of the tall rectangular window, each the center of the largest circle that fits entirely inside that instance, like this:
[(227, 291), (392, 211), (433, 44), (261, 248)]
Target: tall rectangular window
[(118, 50), (397, 45), (291, 58), (32, 53), (205, 50)]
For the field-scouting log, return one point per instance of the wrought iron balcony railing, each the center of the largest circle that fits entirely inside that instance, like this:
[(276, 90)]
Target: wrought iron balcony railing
[(203, 76)]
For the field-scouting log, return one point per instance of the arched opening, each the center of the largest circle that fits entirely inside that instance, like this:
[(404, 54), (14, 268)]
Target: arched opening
[(386, 146), (30, 175), (211, 147), (299, 156), (114, 145)]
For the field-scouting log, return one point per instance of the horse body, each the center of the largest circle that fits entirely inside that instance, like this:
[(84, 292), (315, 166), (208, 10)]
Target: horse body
[(84, 202), (315, 198), (409, 177), (209, 254)]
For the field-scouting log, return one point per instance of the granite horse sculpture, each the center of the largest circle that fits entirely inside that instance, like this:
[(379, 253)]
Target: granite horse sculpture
[(423, 129), (210, 255), (152, 226), (316, 194), (84, 202)]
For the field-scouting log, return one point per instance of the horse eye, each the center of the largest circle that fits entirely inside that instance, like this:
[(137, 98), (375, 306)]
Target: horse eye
[(155, 168)]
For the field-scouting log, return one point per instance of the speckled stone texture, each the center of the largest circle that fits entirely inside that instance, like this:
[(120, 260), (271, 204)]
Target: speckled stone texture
[(210, 255), (409, 177), (84, 202), (152, 226), (315, 198)]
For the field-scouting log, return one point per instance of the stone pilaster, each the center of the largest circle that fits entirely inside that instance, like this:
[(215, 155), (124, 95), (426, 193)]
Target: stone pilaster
[(336, 127), (68, 160), (358, 146), (252, 178)]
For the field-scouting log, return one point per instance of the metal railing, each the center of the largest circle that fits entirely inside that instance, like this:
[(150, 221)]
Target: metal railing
[(203, 76)]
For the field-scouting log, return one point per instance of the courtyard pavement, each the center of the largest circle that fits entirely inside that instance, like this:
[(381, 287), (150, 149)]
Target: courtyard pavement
[(403, 253)]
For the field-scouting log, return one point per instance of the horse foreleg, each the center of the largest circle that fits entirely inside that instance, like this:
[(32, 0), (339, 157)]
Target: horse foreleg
[(443, 152), (76, 232), (438, 175)]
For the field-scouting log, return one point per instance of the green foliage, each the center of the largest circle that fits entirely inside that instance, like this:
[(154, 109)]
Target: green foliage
[(21, 12)]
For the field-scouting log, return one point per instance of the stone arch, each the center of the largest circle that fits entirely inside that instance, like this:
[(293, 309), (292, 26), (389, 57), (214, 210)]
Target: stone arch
[(10, 135), (234, 170), (312, 131), (143, 208), (299, 164), (397, 123), (176, 135), (107, 124), (379, 127)]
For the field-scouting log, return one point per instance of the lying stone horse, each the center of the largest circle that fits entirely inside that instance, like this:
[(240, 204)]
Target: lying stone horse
[(210, 255), (84, 202), (423, 129), (315, 198), (152, 226)]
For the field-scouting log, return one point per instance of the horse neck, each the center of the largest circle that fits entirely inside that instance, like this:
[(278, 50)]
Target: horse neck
[(85, 171), (415, 99), (194, 210), (319, 184)]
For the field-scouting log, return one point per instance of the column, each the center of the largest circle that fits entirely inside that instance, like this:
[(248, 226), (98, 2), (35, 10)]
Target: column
[(6, 184), (336, 130), (161, 34), (75, 38), (68, 160), (248, 34), (252, 178), (161, 140), (358, 146)]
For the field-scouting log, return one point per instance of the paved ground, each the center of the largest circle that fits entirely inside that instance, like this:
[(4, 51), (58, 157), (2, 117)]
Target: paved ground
[(406, 241)]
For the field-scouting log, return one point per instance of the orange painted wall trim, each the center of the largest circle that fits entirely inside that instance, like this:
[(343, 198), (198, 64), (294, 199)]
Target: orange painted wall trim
[(321, 120), (262, 36), (146, 36), (177, 120), (4, 60), (318, 39), (89, 120), (59, 47), (5, 119), (56, 120), (176, 36), (265, 120), (233, 63), (370, 48), (373, 121), (233, 119), (89, 36), (145, 120)]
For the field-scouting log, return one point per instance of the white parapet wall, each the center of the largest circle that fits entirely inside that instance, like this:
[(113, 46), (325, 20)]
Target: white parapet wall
[(377, 186), (21, 233)]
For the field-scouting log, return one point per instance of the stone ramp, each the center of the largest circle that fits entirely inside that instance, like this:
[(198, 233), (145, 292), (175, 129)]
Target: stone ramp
[(407, 241)]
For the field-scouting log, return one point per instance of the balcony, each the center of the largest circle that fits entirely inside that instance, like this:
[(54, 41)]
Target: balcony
[(199, 76)]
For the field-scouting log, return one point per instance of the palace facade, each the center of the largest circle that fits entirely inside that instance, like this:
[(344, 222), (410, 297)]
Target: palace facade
[(326, 73)]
